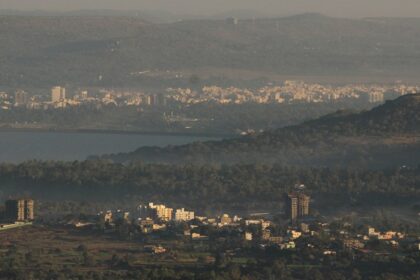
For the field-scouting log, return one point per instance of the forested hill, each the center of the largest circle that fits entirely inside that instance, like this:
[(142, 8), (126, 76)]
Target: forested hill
[(48, 50), (398, 116), (386, 136)]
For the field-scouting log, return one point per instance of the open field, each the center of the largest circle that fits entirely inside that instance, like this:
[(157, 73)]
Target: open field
[(45, 248), (44, 252)]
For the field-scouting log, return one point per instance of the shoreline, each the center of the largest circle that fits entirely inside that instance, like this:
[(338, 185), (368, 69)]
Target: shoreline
[(116, 132)]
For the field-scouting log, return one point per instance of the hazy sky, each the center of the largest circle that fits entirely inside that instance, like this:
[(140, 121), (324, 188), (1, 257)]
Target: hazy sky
[(342, 8)]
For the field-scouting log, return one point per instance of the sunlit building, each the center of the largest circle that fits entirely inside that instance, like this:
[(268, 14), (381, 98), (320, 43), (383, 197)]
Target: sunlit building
[(19, 210), (161, 212), (183, 215), (58, 94), (297, 205), (21, 98)]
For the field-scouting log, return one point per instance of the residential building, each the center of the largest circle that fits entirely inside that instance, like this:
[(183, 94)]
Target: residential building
[(297, 205), (20, 210), (108, 217), (161, 212), (58, 94), (304, 227), (275, 239), (248, 236), (265, 235), (183, 215), (376, 97), (21, 98), (225, 219)]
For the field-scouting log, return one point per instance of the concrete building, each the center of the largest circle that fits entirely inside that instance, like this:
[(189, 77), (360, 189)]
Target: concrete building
[(183, 215), (248, 236), (21, 98), (107, 217), (58, 94), (225, 219), (21, 210), (297, 205), (83, 94), (376, 97), (304, 227), (161, 212)]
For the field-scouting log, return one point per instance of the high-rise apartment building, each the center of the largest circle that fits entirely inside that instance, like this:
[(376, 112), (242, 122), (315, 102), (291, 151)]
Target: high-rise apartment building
[(19, 210), (58, 94), (292, 206), (297, 205), (21, 98)]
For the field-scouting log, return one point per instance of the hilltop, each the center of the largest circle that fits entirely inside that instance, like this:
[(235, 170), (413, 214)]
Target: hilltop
[(49, 50), (386, 136)]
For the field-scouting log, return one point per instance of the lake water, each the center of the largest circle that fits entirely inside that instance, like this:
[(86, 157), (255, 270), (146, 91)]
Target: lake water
[(20, 146)]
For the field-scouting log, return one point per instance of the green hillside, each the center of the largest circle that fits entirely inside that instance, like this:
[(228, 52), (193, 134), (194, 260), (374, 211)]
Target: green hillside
[(386, 136), (37, 51)]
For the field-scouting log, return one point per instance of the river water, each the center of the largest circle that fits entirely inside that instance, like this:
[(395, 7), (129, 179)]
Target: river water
[(19, 146)]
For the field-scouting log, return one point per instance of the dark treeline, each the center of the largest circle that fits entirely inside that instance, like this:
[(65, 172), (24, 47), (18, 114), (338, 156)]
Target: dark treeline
[(192, 184)]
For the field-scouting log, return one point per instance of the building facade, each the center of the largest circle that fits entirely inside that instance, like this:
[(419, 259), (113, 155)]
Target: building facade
[(183, 215), (21, 98), (297, 205), (161, 212), (58, 94), (21, 210)]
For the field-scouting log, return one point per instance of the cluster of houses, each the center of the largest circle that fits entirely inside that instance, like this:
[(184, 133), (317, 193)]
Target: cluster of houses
[(157, 220)]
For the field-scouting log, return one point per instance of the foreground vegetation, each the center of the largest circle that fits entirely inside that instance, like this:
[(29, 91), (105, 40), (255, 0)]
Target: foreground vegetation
[(63, 253), (243, 186)]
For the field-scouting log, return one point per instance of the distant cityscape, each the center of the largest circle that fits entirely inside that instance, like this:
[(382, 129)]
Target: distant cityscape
[(289, 92)]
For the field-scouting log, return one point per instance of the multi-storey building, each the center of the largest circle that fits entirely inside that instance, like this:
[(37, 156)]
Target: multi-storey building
[(58, 94), (19, 210), (161, 212), (376, 97), (183, 215), (297, 205), (225, 219), (21, 98)]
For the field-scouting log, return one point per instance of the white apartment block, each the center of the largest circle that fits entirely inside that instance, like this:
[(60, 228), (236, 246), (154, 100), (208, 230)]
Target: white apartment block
[(183, 215)]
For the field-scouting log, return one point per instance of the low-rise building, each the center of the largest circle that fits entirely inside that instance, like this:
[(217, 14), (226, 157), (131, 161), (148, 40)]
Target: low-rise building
[(183, 215), (225, 219), (248, 236), (155, 249), (293, 234)]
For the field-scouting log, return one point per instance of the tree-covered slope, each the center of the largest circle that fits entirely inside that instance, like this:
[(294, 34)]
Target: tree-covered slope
[(385, 136), (46, 50)]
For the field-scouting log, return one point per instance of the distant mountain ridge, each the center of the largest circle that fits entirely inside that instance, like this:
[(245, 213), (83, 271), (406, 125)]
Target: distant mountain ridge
[(153, 16), (47, 50), (386, 136)]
